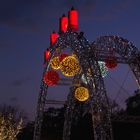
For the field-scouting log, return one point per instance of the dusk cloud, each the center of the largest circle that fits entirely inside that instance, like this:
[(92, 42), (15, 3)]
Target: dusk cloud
[(116, 10), (24, 15)]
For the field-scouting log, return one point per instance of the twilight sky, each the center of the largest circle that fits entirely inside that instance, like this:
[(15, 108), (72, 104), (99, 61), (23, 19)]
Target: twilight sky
[(25, 26)]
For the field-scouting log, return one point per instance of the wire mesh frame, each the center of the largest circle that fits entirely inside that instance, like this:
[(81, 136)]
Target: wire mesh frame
[(88, 58)]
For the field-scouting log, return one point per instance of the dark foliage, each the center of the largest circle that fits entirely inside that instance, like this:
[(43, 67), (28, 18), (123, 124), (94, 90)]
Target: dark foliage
[(27, 132), (82, 129), (133, 104)]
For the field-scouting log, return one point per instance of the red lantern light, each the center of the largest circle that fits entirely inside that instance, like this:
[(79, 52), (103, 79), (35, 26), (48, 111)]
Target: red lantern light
[(73, 19), (46, 55), (63, 23), (53, 38), (62, 56), (51, 78), (111, 63)]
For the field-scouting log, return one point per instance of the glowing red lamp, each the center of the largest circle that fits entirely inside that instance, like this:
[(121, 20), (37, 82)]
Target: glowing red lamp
[(73, 19), (53, 38), (62, 56), (111, 63), (63, 23), (51, 78), (46, 56)]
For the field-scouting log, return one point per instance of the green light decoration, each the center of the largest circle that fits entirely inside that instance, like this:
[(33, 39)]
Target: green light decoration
[(103, 68)]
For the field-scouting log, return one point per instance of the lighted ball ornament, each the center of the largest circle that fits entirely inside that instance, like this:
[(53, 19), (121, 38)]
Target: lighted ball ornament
[(69, 66), (55, 63), (111, 63), (62, 56), (51, 78), (81, 94)]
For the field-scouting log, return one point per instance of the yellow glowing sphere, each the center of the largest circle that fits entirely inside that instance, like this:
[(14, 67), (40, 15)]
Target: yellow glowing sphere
[(55, 63), (81, 94), (69, 66)]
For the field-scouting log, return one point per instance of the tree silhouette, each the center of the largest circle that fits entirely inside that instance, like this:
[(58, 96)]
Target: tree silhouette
[(133, 104)]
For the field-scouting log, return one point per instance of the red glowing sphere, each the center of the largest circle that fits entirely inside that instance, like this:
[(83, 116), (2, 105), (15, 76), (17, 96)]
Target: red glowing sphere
[(111, 63), (62, 56), (51, 78)]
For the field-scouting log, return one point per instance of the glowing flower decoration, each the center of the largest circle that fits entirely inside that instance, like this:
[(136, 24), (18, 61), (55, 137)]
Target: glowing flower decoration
[(82, 94), (62, 56), (51, 78), (111, 63), (103, 68), (69, 66), (55, 63)]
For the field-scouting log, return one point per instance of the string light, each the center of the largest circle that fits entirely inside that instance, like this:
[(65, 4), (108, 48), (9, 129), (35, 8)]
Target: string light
[(9, 128)]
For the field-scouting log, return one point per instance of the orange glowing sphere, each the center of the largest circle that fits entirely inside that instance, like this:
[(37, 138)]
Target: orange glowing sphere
[(82, 94)]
